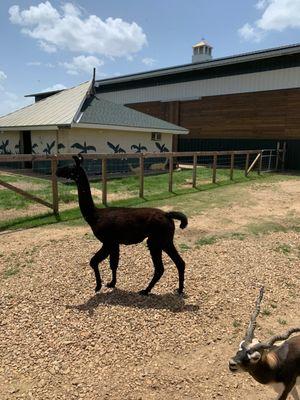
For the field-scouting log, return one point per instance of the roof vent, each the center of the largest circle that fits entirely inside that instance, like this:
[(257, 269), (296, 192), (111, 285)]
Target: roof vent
[(202, 51)]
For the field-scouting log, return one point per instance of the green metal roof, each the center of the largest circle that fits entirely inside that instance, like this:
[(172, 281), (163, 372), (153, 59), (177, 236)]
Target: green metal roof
[(98, 111)]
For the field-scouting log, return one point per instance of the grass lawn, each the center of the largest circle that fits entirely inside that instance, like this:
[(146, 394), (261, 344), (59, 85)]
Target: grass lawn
[(154, 185), (184, 197)]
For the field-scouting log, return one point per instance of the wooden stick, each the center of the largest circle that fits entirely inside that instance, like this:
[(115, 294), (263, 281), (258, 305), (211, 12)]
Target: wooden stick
[(54, 186), (214, 177), (170, 173), (231, 166), (25, 194), (195, 159), (254, 162), (104, 182), (142, 166)]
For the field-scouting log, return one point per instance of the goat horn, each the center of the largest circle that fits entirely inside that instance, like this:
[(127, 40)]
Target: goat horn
[(252, 324), (284, 336), (274, 339)]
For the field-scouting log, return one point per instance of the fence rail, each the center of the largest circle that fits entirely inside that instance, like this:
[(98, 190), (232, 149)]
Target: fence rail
[(262, 160)]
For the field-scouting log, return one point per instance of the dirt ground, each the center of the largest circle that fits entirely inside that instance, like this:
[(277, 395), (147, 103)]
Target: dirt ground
[(60, 341)]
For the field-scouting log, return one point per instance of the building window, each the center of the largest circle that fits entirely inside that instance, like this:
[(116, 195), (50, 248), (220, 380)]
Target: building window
[(155, 136)]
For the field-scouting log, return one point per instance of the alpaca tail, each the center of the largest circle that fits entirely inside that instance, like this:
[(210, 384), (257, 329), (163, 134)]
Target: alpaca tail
[(180, 216)]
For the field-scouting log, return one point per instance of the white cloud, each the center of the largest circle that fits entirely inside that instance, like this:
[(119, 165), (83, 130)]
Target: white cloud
[(39, 64), (48, 48), (277, 15), (248, 32), (57, 86), (10, 102), (148, 61), (261, 4), (70, 30), (2, 76), (82, 64)]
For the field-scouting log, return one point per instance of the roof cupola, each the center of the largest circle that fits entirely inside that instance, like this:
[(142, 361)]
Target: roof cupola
[(202, 51)]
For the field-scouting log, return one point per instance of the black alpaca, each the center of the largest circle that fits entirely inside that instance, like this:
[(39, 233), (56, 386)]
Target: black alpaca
[(119, 225)]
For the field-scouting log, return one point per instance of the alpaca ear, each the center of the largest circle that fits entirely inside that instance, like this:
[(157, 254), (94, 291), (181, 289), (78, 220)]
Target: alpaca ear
[(78, 160)]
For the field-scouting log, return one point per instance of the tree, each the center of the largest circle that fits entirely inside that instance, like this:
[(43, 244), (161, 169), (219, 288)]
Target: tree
[(49, 147), (83, 148), (138, 148), (60, 146), (3, 147), (161, 147), (116, 149), (34, 146)]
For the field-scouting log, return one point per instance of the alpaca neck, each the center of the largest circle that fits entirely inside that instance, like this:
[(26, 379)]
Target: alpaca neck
[(86, 203)]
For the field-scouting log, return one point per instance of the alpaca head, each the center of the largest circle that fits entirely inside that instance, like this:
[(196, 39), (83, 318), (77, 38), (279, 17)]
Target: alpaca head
[(71, 172)]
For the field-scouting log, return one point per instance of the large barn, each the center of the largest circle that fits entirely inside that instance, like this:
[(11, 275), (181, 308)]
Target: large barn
[(245, 101)]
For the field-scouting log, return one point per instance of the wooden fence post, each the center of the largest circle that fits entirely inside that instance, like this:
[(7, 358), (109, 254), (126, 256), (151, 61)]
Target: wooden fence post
[(247, 164), (231, 166), (283, 156), (260, 163), (142, 166), (195, 159), (54, 185), (277, 156), (104, 181), (214, 177), (170, 173)]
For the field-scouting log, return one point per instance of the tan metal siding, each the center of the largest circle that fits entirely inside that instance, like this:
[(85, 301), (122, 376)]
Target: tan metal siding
[(261, 81)]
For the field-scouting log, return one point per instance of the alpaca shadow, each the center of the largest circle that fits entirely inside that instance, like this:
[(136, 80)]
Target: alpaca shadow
[(117, 297)]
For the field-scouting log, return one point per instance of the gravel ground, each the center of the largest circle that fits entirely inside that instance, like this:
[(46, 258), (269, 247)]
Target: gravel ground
[(60, 341)]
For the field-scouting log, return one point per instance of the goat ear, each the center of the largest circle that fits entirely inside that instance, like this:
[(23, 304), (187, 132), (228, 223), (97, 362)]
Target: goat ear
[(255, 357)]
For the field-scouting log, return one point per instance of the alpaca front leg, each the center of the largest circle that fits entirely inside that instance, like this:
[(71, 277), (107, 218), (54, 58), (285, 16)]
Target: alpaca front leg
[(101, 255), (114, 263)]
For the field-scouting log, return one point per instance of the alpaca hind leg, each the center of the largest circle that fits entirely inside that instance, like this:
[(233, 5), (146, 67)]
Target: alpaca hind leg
[(156, 254), (114, 263), (180, 264), (101, 255)]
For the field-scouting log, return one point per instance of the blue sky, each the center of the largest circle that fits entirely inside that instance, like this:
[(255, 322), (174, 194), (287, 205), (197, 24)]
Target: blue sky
[(55, 44)]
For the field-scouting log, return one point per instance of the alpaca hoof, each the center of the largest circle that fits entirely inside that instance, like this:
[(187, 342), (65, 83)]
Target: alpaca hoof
[(143, 293), (180, 292), (111, 285), (97, 288)]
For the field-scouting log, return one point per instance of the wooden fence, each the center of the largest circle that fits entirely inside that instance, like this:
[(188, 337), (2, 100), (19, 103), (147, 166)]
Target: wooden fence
[(257, 161)]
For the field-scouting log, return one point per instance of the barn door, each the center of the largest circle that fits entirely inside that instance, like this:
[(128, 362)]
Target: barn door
[(27, 147)]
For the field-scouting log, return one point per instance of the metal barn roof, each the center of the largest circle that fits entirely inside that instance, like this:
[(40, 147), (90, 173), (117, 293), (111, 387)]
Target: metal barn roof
[(78, 107), (100, 112), (55, 110), (203, 65)]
